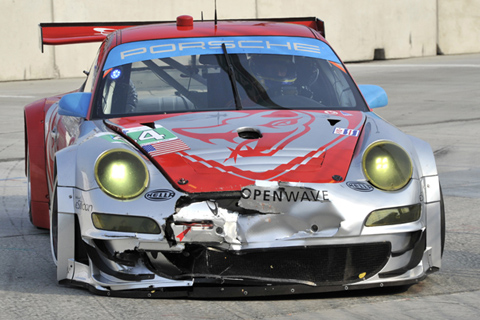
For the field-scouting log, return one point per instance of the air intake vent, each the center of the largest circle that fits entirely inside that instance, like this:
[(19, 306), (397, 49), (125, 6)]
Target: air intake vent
[(333, 121), (249, 133)]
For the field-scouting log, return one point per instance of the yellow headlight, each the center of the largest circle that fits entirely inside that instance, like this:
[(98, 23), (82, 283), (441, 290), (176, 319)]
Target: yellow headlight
[(387, 166), (120, 223), (121, 174), (386, 217)]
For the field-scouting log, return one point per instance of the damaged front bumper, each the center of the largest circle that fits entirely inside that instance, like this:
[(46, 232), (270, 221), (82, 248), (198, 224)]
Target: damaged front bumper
[(202, 271), (236, 246)]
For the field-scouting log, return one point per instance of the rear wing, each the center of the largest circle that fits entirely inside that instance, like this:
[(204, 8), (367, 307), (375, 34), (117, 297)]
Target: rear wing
[(83, 32), (79, 32)]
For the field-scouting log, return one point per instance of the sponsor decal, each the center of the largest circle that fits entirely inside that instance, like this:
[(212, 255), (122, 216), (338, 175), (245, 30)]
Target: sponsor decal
[(278, 200), (103, 31), (163, 48), (113, 138), (360, 186), (159, 195), (80, 205), (156, 141), (330, 112), (345, 113), (141, 135), (284, 195), (346, 132)]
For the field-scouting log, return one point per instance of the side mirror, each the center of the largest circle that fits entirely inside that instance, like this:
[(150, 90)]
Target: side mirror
[(75, 104), (375, 96)]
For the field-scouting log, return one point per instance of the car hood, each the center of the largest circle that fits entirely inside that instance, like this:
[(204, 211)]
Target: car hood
[(225, 151)]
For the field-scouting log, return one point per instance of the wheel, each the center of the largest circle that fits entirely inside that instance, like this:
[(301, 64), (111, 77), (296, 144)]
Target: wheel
[(54, 224), (442, 221), (29, 186)]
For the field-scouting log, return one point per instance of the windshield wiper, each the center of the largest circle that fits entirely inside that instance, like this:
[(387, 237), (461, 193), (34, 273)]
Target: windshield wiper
[(231, 75)]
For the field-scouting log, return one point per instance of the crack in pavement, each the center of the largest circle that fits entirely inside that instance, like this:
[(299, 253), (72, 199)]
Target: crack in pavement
[(12, 159), (438, 122)]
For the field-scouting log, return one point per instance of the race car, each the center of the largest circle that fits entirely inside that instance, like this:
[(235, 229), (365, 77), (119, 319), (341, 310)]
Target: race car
[(226, 159)]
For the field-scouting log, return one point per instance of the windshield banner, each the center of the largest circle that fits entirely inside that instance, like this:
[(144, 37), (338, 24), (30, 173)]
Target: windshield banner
[(164, 48)]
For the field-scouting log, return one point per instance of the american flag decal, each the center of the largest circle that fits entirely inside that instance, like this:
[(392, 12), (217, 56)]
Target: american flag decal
[(165, 147)]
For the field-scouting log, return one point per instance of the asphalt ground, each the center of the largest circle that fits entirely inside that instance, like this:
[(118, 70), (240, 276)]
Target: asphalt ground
[(434, 98)]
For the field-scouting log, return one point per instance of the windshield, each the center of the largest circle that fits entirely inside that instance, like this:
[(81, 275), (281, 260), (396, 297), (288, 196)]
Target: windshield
[(207, 74)]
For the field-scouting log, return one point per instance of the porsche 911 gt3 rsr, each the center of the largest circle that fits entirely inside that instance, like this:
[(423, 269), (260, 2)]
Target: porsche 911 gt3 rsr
[(224, 159)]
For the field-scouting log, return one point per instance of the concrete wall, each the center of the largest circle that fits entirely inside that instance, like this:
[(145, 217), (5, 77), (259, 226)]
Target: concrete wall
[(459, 26), (355, 28), (20, 56)]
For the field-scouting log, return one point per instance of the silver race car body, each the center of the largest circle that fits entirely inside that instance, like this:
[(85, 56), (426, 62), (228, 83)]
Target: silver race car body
[(238, 162)]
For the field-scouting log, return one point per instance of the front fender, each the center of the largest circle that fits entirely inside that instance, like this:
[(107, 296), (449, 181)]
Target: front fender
[(66, 166), (425, 157), (433, 200)]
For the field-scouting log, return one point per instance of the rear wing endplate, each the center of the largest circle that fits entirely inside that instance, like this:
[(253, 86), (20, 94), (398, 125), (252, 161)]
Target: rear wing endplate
[(83, 32), (311, 22)]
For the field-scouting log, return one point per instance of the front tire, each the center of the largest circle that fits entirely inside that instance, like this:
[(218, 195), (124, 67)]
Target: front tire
[(54, 224), (29, 186), (442, 221)]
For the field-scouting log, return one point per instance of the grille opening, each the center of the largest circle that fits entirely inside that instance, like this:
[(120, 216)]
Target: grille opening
[(327, 265)]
